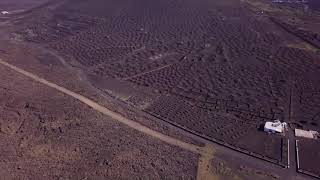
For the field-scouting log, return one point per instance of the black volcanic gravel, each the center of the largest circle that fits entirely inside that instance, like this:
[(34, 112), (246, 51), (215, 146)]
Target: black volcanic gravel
[(215, 54)]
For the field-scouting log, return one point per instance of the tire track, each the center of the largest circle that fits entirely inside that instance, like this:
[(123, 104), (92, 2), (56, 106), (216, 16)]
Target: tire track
[(144, 73)]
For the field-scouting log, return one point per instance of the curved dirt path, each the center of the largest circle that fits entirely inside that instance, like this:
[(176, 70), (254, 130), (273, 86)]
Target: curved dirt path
[(206, 153)]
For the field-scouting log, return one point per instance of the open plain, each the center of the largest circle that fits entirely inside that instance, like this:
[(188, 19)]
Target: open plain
[(158, 89)]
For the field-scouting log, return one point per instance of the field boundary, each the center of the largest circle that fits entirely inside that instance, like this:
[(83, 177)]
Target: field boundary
[(222, 143)]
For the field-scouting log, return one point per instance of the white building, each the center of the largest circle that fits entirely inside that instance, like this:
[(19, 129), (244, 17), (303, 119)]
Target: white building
[(4, 12), (274, 127)]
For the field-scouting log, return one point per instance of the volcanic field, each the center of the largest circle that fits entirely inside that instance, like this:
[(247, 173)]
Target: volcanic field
[(158, 89)]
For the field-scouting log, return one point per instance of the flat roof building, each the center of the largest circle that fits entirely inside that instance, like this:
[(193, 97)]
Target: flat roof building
[(306, 134)]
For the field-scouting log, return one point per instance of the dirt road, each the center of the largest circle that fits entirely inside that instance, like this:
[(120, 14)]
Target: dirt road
[(206, 152)]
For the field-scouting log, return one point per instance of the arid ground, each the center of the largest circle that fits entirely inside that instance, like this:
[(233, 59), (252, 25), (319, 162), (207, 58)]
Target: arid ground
[(158, 89)]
